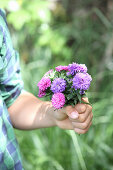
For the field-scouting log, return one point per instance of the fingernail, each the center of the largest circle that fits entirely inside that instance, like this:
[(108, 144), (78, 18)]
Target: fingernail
[(74, 115)]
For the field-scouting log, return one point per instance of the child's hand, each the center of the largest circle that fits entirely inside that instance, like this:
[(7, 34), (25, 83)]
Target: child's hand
[(28, 112), (78, 118)]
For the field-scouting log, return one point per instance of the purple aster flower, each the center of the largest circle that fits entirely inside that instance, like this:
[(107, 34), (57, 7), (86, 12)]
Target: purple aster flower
[(72, 68), (44, 83), (82, 81), (82, 92), (76, 68), (82, 68), (60, 68), (58, 100), (58, 85)]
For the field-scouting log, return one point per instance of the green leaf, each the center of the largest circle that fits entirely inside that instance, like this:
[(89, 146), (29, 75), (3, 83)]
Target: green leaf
[(79, 97), (75, 101), (69, 96), (1, 63), (86, 103)]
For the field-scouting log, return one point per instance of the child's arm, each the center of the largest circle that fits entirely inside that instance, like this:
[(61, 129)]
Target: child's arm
[(28, 112)]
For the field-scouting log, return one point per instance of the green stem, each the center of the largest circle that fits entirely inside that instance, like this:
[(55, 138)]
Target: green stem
[(78, 150)]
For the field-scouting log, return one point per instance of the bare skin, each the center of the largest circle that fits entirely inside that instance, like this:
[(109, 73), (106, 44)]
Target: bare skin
[(28, 112)]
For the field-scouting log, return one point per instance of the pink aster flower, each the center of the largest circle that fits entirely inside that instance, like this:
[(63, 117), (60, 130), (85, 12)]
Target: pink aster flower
[(58, 100), (60, 68), (44, 83), (41, 93), (47, 74)]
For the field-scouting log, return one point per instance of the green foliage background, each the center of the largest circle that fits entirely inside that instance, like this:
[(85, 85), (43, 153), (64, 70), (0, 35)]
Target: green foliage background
[(51, 33)]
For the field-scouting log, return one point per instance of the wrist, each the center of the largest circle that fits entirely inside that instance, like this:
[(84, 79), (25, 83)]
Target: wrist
[(51, 114)]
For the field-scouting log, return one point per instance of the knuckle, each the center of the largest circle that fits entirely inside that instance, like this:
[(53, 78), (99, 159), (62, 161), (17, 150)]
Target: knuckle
[(83, 108), (90, 107), (82, 119), (76, 131), (84, 125), (80, 108), (85, 131), (90, 123), (91, 116)]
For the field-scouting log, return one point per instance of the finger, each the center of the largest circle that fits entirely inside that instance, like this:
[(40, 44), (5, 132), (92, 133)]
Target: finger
[(71, 112), (81, 131), (80, 108), (83, 125), (85, 99), (82, 117)]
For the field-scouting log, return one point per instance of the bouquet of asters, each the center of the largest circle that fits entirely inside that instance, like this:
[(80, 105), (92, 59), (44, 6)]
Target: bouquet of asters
[(66, 85)]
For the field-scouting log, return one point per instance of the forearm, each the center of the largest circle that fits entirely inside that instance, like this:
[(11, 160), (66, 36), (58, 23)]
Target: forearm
[(28, 112)]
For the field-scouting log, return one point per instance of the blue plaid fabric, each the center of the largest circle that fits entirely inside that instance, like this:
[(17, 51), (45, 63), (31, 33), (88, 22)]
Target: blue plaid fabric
[(11, 85)]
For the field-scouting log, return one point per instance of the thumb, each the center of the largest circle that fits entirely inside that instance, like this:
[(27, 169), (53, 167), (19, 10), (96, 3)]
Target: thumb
[(66, 112), (72, 112)]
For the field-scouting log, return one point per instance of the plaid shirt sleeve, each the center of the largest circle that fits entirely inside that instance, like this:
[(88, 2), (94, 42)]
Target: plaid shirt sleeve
[(11, 86), (11, 83)]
